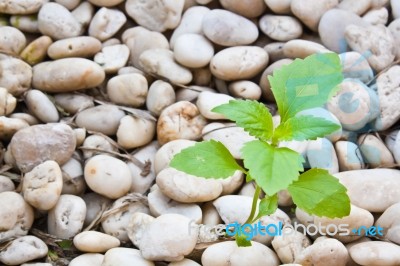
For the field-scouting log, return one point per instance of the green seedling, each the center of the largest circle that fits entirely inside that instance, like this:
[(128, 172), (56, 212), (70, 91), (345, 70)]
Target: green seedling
[(302, 85)]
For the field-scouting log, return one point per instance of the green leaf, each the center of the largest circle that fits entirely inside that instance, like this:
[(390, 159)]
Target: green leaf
[(208, 159), (267, 206), (241, 240), (65, 244), (272, 168), (305, 127), (317, 192), (252, 116), (306, 83)]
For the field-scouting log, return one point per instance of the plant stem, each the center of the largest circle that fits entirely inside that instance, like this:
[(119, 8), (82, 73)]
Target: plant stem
[(254, 204)]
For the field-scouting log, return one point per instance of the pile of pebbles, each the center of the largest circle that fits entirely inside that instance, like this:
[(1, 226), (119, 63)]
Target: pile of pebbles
[(97, 96)]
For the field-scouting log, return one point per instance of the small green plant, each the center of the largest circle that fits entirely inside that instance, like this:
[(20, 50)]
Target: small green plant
[(299, 86)]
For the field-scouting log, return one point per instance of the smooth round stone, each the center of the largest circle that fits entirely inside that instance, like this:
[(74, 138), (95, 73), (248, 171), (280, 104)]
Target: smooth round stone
[(321, 154), (16, 215), (228, 253), (377, 16), (379, 3), (69, 4), (206, 101), (21, 7), (394, 28), (324, 251), (357, 218), (95, 242), (128, 89), (392, 142), (58, 76), (181, 120), (112, 58), (72, 175), (341, 18), (143, 177), (161, 94), (187, 188), (57, 22), (12, 40), (9, 126), (36, 51), (108, 176), (279, 6), (390, 222), (233, 208), (161, 62), (290, 245), (167, 151), (302, 48), (101, 143), (106, 3), (191, 93), (125, 256), (264, 82), (375, 253), (160, 204), (357, 7), (154, 14), (23, 249), (88, 259), (240, 62), (117, 223), (7, 102), (35, 144), (66, 219), (102, 118), (248, 8), (395, 8), (25, 23), (354, 105), (231, 29), (311, 11), (41, 106), (140, 39), (389, 94), (21, 73), (356, 66), (72, 103), (349, 156), (245, 89), (210, 215), (28, 118), (6, 184), (193, 50), (42, 185), (382, 186), (278, 218), (167, 238), (106, 23), (134, 132), (374, 151), (233, 138), (82, 46), (95, 204), (325, 114), (281, 28), (191, 22), (378, 40), (84, 13)]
